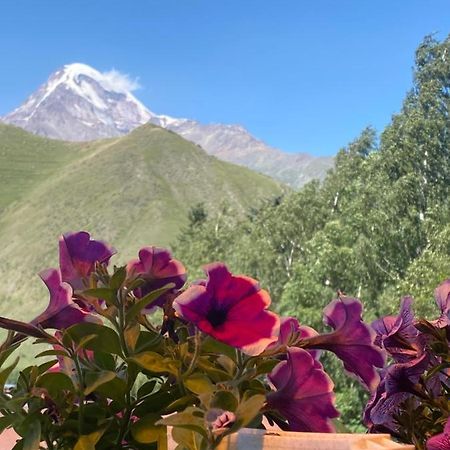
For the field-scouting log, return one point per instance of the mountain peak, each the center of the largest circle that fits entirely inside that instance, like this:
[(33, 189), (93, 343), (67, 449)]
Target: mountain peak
[(80, 103)]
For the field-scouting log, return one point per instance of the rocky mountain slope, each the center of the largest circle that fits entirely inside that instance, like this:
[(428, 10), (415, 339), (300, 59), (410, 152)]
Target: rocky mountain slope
[(79, 103)]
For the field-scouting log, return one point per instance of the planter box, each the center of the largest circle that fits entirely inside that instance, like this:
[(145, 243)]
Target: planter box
[(251, 439)]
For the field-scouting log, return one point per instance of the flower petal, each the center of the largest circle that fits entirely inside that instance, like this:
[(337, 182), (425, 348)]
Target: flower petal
[(304, 394), (352, 341), (78, 255)]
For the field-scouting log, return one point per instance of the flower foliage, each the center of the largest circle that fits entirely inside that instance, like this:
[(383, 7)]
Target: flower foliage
[(412, 401), (135, 349)]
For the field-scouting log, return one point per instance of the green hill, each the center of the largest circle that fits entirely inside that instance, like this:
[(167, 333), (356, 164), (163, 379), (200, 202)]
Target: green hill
[(130, 191)]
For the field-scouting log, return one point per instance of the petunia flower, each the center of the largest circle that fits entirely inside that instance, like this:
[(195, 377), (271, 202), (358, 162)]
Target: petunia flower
[(157, 267), (399, 382), (304, 394), (232, 309), (352, 340), (220, 420), (289, 333), (442, 296), (78, 255), (62, 311), (440, 441), (397, 334)]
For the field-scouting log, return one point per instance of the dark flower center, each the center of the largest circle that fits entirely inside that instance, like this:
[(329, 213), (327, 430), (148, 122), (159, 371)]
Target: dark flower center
[(216, 317)]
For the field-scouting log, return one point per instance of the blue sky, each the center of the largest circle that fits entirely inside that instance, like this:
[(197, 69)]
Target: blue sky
[(301, 75)]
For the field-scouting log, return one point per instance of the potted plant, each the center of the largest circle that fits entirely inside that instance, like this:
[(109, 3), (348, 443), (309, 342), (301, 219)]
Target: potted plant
[(134, 350)]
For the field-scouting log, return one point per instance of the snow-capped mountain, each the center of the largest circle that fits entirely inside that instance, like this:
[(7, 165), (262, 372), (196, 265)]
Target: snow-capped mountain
[(79, 103)]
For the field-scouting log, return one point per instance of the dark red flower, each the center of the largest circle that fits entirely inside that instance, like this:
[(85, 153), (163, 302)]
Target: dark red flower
[(304, 394), (232, 309)]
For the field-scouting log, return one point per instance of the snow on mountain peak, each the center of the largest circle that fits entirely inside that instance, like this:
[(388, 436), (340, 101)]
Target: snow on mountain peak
[(79, 102)]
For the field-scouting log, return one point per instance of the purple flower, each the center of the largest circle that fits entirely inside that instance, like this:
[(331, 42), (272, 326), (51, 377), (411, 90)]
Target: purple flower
[(397, 334), (78, 255), (61, 311), (442, 296), (289, 332), (440, 441), (400, 382), (232, 309), (304, 394), (352, 340), (157, 267)]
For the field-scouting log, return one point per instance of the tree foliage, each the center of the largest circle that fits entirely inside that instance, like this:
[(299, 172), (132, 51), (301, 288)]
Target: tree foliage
[(376, 228)]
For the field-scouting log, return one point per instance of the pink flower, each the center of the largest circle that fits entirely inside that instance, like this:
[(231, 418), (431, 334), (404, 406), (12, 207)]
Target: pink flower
[(157, 267), (440, 441), (352, 341), (232, 309), (61, 311), (304, 394), (78, 255), (442, 296)]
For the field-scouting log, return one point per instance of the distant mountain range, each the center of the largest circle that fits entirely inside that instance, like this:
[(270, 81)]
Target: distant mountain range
[(131, 191), (79, 103)]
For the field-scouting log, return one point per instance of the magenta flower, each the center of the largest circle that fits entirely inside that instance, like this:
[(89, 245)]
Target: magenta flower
[(397, 334), (157, 267), (352, 340), (304, 394), (78, 255), (442, 296), (232, 309), (440, 441), (61, 311), (289, 332)]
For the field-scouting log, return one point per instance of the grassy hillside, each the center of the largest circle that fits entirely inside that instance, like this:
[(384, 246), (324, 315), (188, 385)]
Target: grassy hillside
[(131, 191)]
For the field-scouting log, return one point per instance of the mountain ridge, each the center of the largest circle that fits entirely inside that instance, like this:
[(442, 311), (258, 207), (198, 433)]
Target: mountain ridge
[(79, 103), (132, 191)]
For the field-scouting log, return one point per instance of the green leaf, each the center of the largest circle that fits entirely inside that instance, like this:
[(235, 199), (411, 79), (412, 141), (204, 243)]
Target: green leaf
[(114, 389), (147, 301), (106, 339), (186, 419), (249, 409), (88, 441), (180, 404), (211, 345), (107, 294), (224, 400), (154, 362), (5, 373), (198, 383), (6, 421), (32, 436), (96, 379), (147, 388), (55, 383), (118, 278), (131, 335), (6, 353), (187, 439), (145, 431), (51, 353)]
